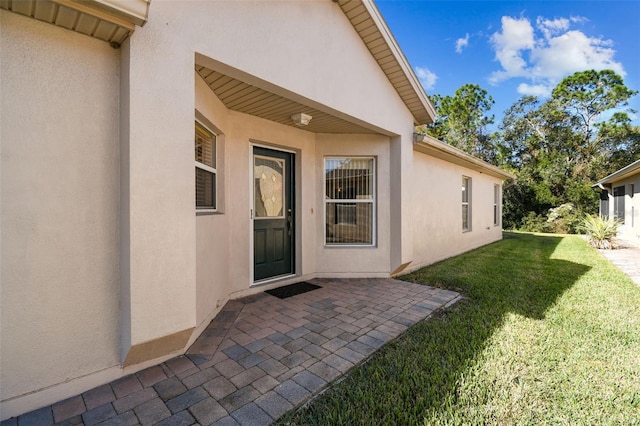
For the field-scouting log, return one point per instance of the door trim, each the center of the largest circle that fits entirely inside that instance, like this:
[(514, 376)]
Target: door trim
[(252, 282)]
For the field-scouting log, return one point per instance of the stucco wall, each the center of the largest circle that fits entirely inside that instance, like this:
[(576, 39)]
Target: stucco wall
[(307, 47), (437, 210), (59, 135), (629, 231)]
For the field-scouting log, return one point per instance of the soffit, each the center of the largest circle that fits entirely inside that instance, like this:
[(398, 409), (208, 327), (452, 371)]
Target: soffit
[(438, 149), (370, 25), (108, 20), (248, 98)]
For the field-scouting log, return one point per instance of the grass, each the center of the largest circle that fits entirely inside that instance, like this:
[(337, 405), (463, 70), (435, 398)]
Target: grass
[(548, 333)]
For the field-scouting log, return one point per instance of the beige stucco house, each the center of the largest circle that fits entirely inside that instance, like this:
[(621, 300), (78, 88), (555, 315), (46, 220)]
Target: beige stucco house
[(620, 199), (301, 118)]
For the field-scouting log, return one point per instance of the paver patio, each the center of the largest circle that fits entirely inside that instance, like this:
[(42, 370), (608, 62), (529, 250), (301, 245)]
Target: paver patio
[(260, 357), (627, 258)]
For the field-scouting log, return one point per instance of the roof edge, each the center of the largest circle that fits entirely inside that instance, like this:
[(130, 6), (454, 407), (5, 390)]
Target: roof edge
[(400, 57), (436, 148), (378, 38), (619, 174)]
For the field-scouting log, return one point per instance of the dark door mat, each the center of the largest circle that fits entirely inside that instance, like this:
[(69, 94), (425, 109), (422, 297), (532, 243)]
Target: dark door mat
[(292, 290)]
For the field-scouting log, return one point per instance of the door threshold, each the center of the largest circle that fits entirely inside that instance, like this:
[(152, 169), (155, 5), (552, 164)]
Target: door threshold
[(271, 280)]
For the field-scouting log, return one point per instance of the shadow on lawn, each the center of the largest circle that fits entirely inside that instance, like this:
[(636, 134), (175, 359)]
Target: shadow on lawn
[(418, 373)]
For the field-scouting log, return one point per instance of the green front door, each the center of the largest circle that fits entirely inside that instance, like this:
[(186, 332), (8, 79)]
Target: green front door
[(273, 227)]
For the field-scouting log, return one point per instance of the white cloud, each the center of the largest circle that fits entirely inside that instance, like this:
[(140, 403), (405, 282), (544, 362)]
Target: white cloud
[(551, 27), (534, 89), (570, 52), (461, 43), (516, 37), (427, 77), (579, 19), (547, 53)]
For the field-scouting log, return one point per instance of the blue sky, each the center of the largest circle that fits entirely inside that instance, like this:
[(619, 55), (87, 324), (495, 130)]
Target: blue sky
[(514, 48)]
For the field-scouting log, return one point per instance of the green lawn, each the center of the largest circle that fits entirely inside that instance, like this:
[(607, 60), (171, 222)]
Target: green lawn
[(548, 333)]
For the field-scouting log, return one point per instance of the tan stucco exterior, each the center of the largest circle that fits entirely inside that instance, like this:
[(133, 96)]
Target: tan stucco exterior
[(60, 201), (627, 178), (106, 267)]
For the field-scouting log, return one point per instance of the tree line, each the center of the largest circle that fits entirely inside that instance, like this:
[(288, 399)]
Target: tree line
[(557, 148)]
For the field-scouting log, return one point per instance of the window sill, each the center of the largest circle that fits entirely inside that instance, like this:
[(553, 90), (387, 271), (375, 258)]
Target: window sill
[(340, 246), (206, 212)]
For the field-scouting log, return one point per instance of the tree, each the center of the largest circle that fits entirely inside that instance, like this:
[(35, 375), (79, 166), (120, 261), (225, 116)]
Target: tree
[(560, 147), (584, 97), (462, 121)]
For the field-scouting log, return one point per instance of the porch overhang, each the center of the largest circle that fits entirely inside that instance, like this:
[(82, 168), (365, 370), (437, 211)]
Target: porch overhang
[(108, 20), (248, 94), (435, 148)]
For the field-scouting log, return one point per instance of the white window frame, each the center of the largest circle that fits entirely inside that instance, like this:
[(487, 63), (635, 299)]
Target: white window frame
[(466, 203), (632, 189), (496, 205), (617, 199), (372, 201), (207, 168)]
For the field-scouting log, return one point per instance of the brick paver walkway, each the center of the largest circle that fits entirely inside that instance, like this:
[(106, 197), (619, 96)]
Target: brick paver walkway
[(627, 259), (258, 359)]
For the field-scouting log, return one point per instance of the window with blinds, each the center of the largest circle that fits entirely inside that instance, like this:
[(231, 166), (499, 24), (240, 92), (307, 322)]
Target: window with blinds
[(350, 187), (466, 203), (205, 155)]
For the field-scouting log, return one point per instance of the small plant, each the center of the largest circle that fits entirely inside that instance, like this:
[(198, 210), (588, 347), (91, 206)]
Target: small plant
[(600, 231)]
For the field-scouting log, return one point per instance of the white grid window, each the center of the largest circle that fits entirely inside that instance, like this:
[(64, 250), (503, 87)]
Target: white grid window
[(466, 203), (350, 187), (206, 174)]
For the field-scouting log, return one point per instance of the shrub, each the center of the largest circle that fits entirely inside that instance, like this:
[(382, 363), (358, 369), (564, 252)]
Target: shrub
[(564, 219), (600, 231), (533, 222)]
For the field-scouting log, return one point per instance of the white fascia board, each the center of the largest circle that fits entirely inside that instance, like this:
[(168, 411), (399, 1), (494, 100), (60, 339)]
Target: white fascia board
[(620, 174), (399, 55), (438, 149)]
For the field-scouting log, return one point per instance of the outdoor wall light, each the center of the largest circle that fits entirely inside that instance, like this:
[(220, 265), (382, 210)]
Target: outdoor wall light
[(301, 119)]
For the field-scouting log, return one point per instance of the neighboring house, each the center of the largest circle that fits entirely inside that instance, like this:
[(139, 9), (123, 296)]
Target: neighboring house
[(114, 260), (620, 199)]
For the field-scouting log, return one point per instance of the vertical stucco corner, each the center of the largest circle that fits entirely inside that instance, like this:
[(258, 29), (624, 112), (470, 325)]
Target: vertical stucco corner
[(158, 242), (401, 222)]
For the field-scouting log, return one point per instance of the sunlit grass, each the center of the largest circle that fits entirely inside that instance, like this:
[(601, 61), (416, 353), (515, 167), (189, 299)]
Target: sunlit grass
[(548, 333)]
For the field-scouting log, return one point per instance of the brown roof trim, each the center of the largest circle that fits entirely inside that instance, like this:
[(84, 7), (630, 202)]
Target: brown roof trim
[(435, 148), (369, 24)]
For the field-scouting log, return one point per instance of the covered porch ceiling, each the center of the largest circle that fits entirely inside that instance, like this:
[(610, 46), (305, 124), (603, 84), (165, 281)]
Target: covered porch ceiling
[(247, 94)]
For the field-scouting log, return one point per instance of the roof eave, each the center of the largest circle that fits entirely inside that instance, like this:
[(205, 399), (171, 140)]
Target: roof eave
[(624, 172), (438, 149), (423, 112), (112, 21)]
